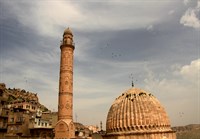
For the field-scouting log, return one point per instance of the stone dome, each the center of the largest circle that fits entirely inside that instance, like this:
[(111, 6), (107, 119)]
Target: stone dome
[(137, 111), (68, 31)]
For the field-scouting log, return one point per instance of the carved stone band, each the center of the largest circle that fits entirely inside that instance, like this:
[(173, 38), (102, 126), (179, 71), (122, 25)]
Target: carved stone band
[(65, 93), (66, 71)]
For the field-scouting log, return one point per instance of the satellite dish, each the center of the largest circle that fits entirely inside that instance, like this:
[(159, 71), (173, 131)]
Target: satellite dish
[(39, 113), (9, 106)]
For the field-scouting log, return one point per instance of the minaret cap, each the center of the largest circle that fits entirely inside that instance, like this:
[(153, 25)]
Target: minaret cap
[(68, 31)]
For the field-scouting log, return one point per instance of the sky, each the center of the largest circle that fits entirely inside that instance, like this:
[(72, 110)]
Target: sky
[(155, 43)]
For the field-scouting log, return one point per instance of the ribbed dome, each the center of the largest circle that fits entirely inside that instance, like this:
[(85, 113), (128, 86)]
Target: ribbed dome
[(68, 31), (137, 111)]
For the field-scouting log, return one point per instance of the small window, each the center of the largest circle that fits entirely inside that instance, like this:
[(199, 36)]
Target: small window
[(11, 120), (1, 93)]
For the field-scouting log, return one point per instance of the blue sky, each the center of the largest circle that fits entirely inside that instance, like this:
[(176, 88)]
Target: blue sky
[(154, 41)]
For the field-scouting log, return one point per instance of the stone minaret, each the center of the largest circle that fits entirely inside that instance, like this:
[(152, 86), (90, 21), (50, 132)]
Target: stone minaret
[(65, 126)]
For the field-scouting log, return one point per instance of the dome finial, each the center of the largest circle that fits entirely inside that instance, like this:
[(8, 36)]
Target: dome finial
[(68, 31), (132, 84), (131, 76)]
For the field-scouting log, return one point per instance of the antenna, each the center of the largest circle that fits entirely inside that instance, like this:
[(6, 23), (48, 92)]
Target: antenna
[(131, 76), (76, 117), (132, 81), (101, 125), (132, 84)]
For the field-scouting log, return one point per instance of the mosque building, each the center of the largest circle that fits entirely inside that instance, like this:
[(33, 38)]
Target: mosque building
[(64, 128), (136, 114)]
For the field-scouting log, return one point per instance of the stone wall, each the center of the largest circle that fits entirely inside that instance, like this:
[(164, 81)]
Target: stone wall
[(156, 135), (16, 137)]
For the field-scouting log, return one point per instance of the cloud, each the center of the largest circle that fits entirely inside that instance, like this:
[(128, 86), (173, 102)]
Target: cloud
[(182, 79), (186, 2), (198, 4), (171, 12), (150, 28), (191, 18), (191, 72), (45, 17), (178, 92), (49, 17)]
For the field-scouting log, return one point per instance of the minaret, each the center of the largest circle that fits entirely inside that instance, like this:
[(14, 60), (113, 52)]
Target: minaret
[(65, 127)]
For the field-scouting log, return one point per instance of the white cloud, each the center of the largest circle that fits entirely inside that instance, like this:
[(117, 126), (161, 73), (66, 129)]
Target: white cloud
[(45, 17), (178, 92), (191, 18), (171, 12), (191, 72), (198, 4), (150, 28), (186, 2), (187, 75)]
